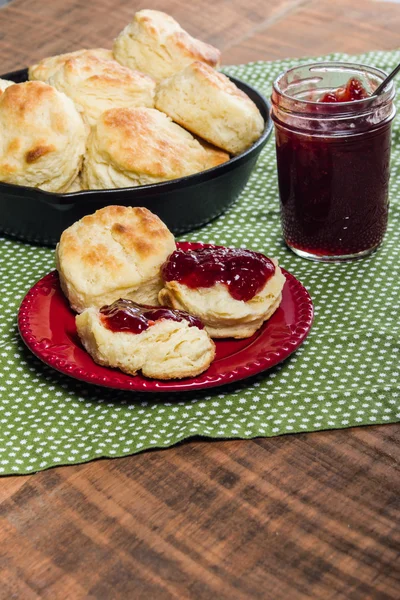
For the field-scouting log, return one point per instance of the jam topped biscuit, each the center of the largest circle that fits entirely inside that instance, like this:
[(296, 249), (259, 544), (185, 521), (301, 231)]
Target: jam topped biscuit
[(233, 291), (159, 342)]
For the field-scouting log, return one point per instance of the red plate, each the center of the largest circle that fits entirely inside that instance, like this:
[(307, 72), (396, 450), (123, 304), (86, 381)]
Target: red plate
[(47, 326)]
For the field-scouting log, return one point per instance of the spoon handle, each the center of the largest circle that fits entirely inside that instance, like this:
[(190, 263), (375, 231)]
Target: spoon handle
[(384, 83)]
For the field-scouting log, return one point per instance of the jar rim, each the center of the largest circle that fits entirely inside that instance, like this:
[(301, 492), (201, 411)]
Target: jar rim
[(341, 107)]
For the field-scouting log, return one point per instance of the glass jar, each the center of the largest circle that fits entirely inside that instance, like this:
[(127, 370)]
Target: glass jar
[(333, 161)]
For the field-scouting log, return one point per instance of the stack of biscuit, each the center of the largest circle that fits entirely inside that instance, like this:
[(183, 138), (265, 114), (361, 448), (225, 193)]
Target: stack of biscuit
[(151, 110), (118, 253)]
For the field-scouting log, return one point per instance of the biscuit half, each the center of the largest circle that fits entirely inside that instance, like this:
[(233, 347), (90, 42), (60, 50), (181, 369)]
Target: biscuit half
[(224, 316), (156, 44), (42, 137), (114, 253), (211, 106), (166, 350), (131, 147)]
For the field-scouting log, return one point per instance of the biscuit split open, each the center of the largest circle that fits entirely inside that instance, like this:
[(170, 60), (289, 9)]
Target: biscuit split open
[(224, 316), (166, 350)]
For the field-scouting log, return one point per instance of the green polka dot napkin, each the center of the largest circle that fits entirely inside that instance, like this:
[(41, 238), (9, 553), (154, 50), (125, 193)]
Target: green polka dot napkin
[(345, 374)]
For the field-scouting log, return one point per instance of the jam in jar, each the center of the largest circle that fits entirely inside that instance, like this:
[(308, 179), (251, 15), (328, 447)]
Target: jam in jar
[(353, 90), (333, 154)]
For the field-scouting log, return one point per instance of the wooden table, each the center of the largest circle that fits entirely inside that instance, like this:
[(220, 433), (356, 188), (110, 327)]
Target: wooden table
[(298, 516)]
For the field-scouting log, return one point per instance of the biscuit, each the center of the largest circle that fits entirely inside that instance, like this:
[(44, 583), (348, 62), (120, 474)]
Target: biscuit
[(114, 253), (166, 350), (44, 69), (42, 137), (156, 44), (211, 106), (223, 315), (95, 85), (131, 147), (4, 84), (76, 186)]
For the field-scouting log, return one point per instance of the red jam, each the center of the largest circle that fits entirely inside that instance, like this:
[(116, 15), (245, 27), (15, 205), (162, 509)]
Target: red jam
[(130, 317), (353, 90), (334, 191), (244, 272), (333, 159)]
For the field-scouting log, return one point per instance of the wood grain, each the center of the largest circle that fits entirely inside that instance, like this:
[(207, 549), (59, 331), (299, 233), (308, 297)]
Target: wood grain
[(293, 517), (302, 516), (57, 26), (255, 30), (321, 28)]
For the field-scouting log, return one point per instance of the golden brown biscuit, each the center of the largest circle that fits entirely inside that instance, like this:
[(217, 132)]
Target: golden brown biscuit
[(95, 85), (114, 253), (156, 44), (44, 69), (4, 84), (131, 147), (42, 137), (217, 156), (166, 350), (211, 106), (223, 315), (76, 186)]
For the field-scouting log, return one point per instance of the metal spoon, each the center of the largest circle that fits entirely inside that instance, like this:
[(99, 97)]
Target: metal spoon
[(384, 83)]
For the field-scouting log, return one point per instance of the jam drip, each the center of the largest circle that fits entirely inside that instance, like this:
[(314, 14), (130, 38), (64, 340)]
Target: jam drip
[(353, 90), (130, 317), (244, 272)]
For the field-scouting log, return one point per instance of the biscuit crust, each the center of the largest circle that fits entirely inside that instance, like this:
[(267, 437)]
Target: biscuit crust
[(166, 350), (114, 253), (42, 137), (44, 69), (156, 44), (131, 147), (76, 186), (96, 84), (4, 84), (211, 106)]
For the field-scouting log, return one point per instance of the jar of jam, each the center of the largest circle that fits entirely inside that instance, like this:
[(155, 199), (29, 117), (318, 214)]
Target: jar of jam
[(333, 158)]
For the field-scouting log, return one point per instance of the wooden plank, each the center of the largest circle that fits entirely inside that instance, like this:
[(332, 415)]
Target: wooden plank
[(321, 28), (56, 27), (302, 516), (244, 33)]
